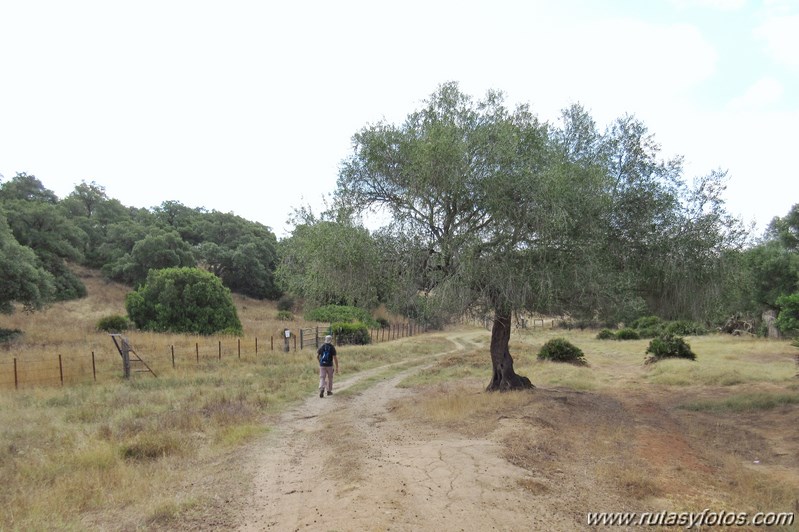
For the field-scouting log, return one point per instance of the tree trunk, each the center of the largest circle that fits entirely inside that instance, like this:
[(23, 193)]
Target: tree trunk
[(504, 377)]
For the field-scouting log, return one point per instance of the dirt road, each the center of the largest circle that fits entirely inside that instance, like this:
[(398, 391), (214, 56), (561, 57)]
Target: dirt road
[(345, 463)]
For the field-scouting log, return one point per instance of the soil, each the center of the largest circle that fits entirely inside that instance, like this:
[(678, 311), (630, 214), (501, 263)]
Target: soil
[(363, 461)]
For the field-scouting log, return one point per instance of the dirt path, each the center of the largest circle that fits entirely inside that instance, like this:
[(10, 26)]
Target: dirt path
[(345, 463)]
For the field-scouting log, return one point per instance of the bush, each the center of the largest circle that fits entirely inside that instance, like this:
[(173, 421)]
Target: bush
[(284, 315), (669, 346), (6, 335), (113, 324), (685, 328), (183, 300), (606, 334), (561, 350), (628, 334), (788, 318), (351, 333), (285, 303), (341, 313), (647, 322), (383, 323)]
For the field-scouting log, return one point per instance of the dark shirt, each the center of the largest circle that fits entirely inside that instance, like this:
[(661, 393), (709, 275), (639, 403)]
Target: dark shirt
[(321, 350)]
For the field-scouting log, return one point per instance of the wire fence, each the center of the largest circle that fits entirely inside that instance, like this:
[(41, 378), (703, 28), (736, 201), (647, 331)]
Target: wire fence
[(48, 369)]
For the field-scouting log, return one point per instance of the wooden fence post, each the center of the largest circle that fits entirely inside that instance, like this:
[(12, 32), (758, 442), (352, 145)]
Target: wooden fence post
[(173, 356), (61, 370), (197, 351), (220, 349), (16, 381), (238, 346), (94, 368)]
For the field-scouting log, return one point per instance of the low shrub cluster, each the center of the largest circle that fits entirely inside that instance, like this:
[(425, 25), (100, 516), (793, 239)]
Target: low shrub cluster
[(341, 314), (669, 346), (284, 315), (113, 324), (6, 335), (347, 333), (561, 350), (652, 327)]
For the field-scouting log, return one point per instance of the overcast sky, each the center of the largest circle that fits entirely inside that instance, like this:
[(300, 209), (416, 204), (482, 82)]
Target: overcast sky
[(250, 106)]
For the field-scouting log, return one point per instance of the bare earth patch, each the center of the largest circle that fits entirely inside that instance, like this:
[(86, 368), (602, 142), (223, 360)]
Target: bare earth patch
[(383, 459)]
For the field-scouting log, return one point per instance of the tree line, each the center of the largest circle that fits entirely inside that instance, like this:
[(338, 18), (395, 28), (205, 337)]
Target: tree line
[(491, 211)]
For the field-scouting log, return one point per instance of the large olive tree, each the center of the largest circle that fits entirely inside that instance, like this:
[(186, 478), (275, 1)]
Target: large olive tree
[(513, 214)]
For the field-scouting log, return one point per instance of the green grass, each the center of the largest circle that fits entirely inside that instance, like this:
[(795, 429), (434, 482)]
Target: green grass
[(743, 402)]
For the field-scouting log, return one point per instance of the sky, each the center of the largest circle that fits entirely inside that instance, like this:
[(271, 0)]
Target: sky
[(250, 106)]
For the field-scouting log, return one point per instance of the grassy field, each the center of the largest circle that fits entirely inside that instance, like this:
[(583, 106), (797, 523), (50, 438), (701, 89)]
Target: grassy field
[(138, 454)]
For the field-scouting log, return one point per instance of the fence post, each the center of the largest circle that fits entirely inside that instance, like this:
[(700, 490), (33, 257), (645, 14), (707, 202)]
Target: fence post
[(197, 351), (295, 342), (220, 349), (271, 343), (302, 334), (16, 381), (94, 368), (238, 346), (173, 356), (256, 345), (61, 370)]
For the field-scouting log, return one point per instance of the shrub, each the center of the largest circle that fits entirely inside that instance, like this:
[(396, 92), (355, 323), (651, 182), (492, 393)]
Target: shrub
[(628, 334), (685, 328), (284, 315), (351, 333), (6, 335), (606, 334), (669, 346), (788, 318), (341, 313), (646, 322), (285, 303), (183, 300), (561, 350), (113, 324), (383, 323)]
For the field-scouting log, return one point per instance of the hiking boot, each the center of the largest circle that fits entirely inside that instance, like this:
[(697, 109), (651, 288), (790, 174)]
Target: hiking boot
[(322, 393), (329, 392)]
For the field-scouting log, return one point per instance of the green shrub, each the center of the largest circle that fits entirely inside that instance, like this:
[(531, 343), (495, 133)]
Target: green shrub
[(646, 322), (606, 334), (113, 324), (6, 335), (183, 300), (628, 334), (383, 323), (284, 315), (561, 350), (285, 303), (788, 318), (669, 346), (685, 328), (341, 313), (347, 333)]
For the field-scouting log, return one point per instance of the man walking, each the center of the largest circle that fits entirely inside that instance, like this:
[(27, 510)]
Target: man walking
[(326, 355)]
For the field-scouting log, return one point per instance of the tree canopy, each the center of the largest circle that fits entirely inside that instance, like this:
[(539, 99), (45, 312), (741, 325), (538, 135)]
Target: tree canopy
[(512, 214)]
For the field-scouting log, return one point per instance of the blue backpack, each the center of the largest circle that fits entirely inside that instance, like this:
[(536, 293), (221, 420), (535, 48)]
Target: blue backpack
[(326, 358)]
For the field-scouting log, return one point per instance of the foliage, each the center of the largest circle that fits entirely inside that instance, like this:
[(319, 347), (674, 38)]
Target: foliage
[(23, 279), (669, 346), (627, 334), (340, 313), (685, 328), (606, 334), (647, 322), (348, 333), (113, 324), (7, 335), (157, 250), (788, 318), (561, 350), (186, 300), (330, 262), (286, 302), (284, 315)]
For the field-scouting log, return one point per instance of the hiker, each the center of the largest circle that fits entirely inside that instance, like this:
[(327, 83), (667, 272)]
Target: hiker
[(326, 355)]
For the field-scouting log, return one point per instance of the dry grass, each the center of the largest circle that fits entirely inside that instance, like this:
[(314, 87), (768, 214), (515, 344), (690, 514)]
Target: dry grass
[(677, 435), (119, 455)]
